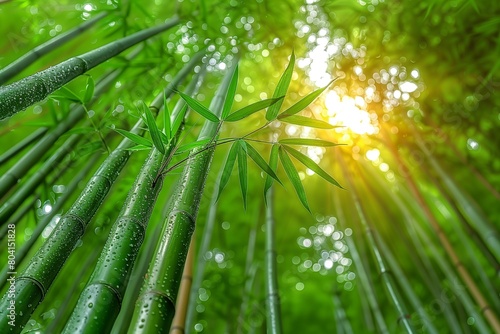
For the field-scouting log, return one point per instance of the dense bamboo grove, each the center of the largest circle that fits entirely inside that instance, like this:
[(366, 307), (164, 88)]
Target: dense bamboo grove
[(293, 166)]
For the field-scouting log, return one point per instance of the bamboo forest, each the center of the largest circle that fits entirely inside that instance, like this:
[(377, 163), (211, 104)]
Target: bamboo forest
[(250, 166)]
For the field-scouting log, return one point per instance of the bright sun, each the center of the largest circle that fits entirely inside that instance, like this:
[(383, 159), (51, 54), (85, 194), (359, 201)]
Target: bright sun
[(348, 112)]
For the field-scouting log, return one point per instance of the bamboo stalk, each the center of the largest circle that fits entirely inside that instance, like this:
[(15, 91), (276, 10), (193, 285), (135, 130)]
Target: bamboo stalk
[(31, 56), (16, 199), (273, 305), (361, 271), (16, 218), (40, 227), (178, 324), (470, 209), (384, 272), (76, 113), (155, 307), (22, 94), (52, 328), (462, 271), (410, 222), (201, 260), (14, 150)]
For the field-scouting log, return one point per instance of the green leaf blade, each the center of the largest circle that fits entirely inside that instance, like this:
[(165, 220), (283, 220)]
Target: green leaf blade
[(306, 101), (273, 163), (199, 108), (293, 176), (153, 129), (188, 147), (167, 126), (228, 168), (135, 138), (256, 157), (251, 109), (309, 163), (228, 103), (305, 121), (243, 170), (308, 142), (281, 88)]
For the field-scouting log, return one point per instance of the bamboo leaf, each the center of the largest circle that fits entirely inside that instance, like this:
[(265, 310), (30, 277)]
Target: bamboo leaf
[(305, 121), (251, 109), (243, 170), (179, 120), (167, 127), (273, 163), (293, 176), (281, 88), (309, 163), (188, 147), (230, 94), (153, 129), (89, 90), (252, 153), (302, 104), (199, 108), (64, 93), (228, 168), (135, 138), (139, 148), (307, 142)]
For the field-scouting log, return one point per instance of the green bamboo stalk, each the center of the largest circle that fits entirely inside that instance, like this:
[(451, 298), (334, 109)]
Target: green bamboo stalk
[(34, 282), (273, 305), (31, 56), (409, 222), (481, 301), (14, 150), (201, 260), (155, 307), (415, 229), (76, 113), (134, 287), (466, 242), (250, 271), (384, 273), (468, 206), (72, 186), (16, 218), (63, 308), (100, 301), (361, 271), (341, 320), (16, 199), (22, 94)]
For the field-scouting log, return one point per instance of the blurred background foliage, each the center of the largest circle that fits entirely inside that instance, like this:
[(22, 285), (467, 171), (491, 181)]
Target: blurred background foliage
[(406, 73)]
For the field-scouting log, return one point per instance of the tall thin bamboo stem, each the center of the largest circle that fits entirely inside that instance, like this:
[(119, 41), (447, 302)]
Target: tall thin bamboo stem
[(363, 275), (34, 54), (273, 305), (384, 273), (16, 199), (23, 93), (463, 272), (201, 260), (14, 150), (40, 227)]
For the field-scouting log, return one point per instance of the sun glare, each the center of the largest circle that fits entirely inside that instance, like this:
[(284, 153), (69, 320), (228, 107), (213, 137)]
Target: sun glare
[(348, 112)]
